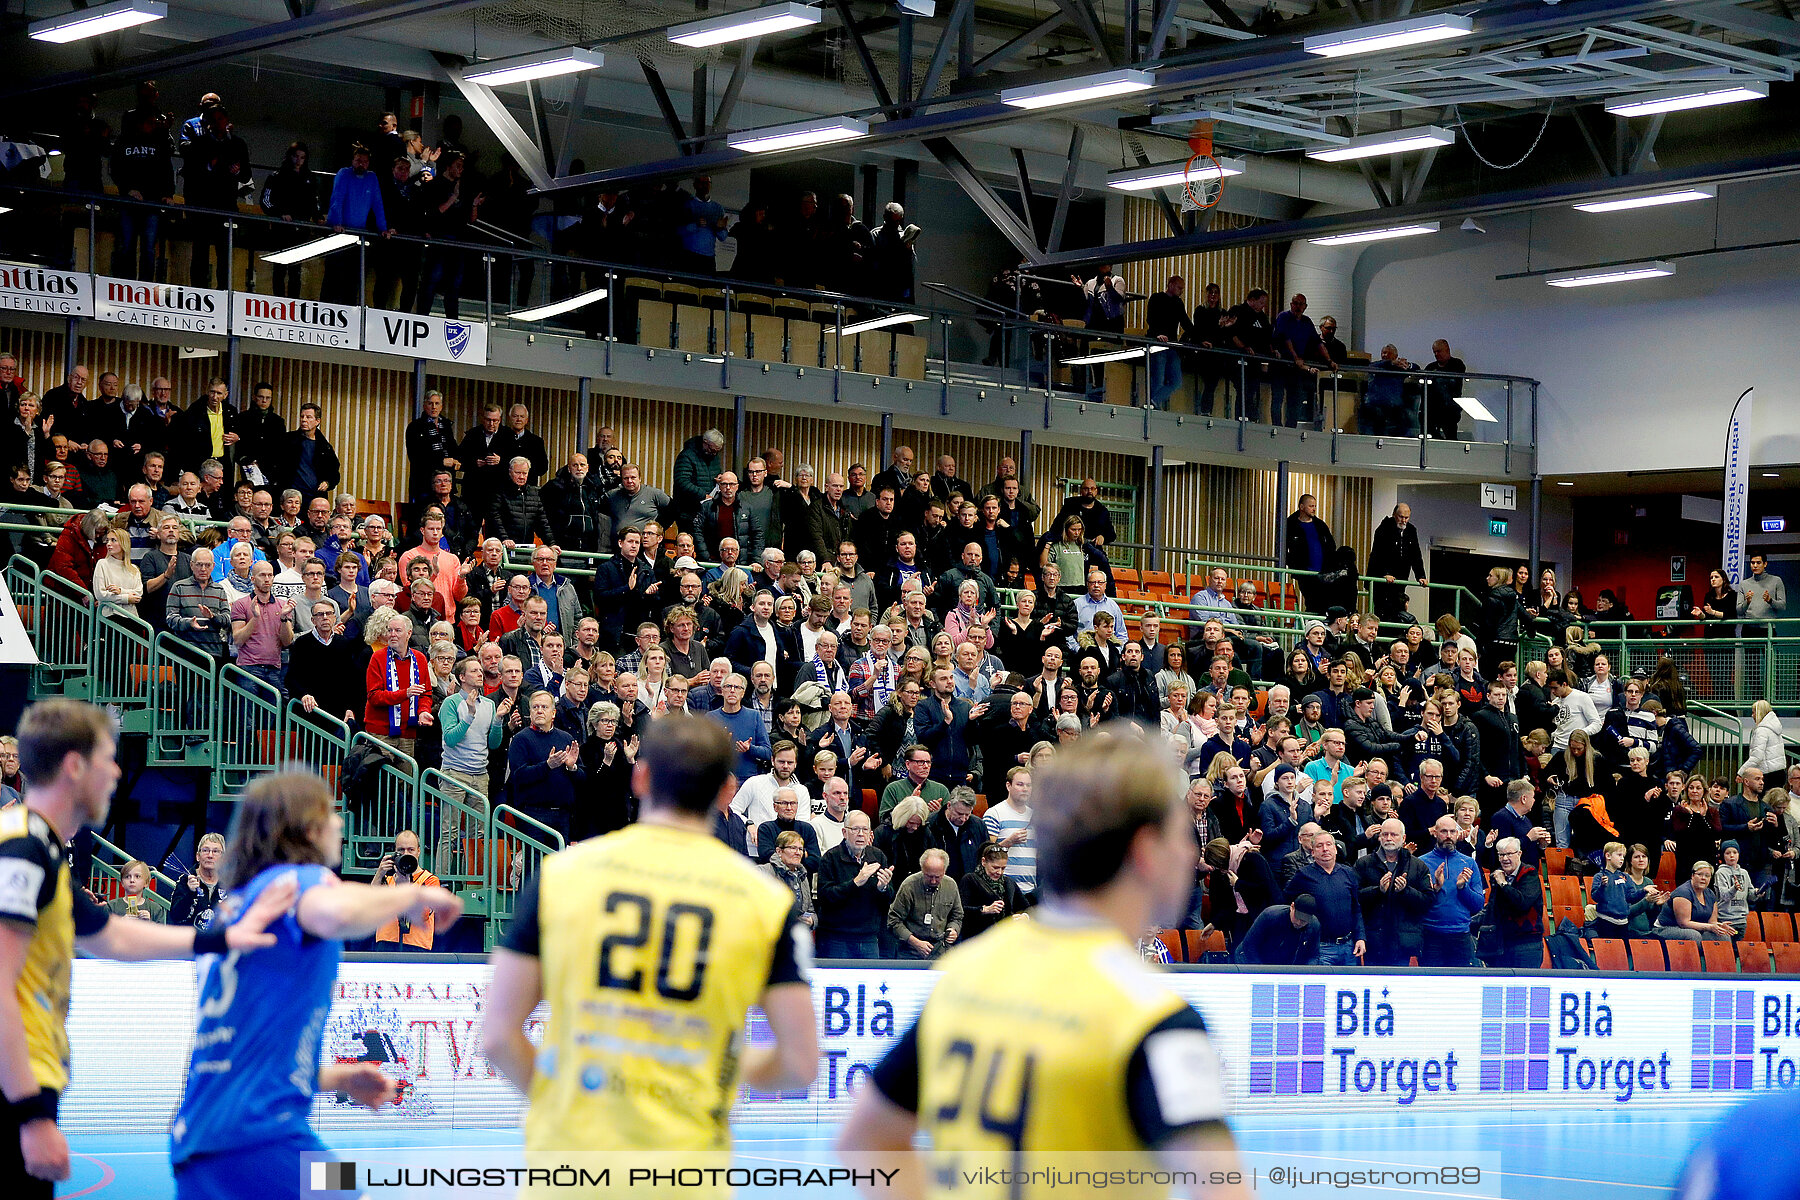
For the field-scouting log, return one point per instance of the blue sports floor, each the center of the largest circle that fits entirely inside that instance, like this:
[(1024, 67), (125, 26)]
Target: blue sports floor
[(1544, 1155)]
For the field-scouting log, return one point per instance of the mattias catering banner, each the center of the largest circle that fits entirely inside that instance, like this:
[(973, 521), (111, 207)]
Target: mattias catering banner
[(1375, 1043)]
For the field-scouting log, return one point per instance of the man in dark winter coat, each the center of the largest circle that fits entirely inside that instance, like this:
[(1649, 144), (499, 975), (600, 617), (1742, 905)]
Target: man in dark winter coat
[(517, 512), (577, 508), (1396, 890), (1394, 554), (697, 469)]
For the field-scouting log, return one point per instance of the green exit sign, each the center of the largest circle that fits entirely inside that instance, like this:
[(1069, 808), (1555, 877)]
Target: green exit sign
[(1496, 527)]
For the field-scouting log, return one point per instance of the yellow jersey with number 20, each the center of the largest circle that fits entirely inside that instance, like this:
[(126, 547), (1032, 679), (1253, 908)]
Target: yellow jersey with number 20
[(653, 942)]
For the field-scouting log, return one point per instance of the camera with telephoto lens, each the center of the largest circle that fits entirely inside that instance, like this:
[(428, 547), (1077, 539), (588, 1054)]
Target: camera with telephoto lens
[(405, 865)]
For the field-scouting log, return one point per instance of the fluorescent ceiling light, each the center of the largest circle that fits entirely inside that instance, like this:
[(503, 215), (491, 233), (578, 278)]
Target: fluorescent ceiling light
[(1765, 474), (1088, 360), (312, 249), (92, 22), (1171, 174), (5, 208), (821, 132), (556, 308), (1623, 273), (1368, 39), (1377, 235), (1694, 97), (751, 22), (918, 8), (543, 65), (884, 322), (1078, 89), (1475, 408), (1396, 141), (1652, 200), (1565, 483)]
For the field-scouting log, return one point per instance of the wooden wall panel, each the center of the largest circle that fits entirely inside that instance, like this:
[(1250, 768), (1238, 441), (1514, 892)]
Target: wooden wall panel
[(1235, 270)]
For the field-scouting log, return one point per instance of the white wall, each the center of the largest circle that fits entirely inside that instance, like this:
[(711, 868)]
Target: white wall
[(1450, 515), (1637, 376)]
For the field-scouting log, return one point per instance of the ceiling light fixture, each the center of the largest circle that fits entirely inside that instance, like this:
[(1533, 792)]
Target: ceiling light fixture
[(1565, 483), (545, 64), (1651, 200), (92, 22), (1367, 39), (1078, 89), (544, 312), (917, 8), (1475, 408), (1088, 360), (1622, 273), (1765, 474), (1395, 141), (1693, 97), (1171, 174), (751, 22), (312, 249), (901, 318), (820, 132), (1377, 235)]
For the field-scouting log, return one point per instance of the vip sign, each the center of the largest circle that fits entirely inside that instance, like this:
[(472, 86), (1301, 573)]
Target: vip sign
[(160, 305), (38, 290), (305, 322), (417, 336)]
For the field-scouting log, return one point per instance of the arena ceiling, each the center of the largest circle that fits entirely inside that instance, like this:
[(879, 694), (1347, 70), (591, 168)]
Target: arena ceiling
[(1522, 94)]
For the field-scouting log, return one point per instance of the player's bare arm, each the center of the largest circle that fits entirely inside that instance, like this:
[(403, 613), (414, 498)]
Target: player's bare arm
[(516, 989)]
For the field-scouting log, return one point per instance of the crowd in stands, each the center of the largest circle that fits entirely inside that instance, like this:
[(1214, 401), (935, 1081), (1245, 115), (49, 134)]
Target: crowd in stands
[(894, 652), (394, 182)]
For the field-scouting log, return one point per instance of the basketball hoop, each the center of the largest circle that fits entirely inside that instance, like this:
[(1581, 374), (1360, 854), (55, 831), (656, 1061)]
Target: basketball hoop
[(1203, 181)]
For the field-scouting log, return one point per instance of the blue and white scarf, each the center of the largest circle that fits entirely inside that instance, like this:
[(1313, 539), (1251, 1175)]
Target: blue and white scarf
[(416, 669)]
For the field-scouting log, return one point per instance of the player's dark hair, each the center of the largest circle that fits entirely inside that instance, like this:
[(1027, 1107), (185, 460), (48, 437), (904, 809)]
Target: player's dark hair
[(688, 759), (1090, 803), (274, 825), (53, 729)]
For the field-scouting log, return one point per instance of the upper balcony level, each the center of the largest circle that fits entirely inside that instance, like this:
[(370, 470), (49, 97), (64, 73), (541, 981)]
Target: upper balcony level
[(475, 308)]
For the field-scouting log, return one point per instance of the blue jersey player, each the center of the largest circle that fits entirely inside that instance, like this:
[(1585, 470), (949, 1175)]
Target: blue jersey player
[(255, 1064)]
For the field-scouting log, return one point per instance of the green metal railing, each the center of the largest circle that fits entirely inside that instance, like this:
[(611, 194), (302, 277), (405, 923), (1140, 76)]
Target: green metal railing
[(371, 822), (516, 845), (197, 713)]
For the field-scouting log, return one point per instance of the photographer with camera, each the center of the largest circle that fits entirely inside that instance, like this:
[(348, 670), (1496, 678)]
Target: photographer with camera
[(401, 868)]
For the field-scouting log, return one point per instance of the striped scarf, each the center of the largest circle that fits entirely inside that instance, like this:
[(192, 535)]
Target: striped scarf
[(416, 671)]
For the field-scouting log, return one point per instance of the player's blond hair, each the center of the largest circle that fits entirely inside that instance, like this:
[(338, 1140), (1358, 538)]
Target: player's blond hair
[(1090, 802)]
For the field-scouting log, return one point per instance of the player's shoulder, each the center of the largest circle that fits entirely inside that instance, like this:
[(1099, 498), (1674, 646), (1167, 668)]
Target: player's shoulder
[(30, 858), (26, 835)]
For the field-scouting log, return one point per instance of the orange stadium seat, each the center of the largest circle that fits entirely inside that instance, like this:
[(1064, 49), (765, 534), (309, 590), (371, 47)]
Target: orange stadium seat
[(1753, 957), (1685, 956), (1787, 957), (1609, 955), (1172, 939), (1556, 860), (1778, 927), (1718, 957), (1647, 955), (1753, 927)]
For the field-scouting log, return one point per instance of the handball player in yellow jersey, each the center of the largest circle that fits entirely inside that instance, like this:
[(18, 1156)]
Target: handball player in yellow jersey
[(651, 944), (1048, 1035)]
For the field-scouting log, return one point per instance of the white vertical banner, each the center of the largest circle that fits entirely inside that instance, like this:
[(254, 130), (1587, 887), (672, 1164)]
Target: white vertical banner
[(1737, 486)]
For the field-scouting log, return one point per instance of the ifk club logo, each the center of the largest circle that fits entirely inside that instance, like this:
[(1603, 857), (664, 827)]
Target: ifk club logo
[(1515, 1039), (1724, 1039), (1287, 1039), (333, 1177)]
